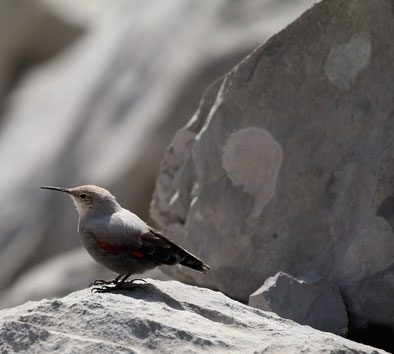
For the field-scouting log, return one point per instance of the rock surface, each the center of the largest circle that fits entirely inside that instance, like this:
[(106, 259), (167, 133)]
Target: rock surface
[(288, 164), (166, 317), (104, 110), (313, 303)]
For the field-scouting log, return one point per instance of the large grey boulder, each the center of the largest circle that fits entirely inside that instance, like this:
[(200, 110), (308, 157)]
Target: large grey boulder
[(309, 302), (104, 111), (163, 317), (288, 163)]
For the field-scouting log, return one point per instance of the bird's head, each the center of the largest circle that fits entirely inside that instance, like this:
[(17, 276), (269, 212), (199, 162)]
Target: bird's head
[(90, 199)]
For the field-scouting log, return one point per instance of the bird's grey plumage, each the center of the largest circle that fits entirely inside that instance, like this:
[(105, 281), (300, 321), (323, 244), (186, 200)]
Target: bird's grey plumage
[(119, 239)]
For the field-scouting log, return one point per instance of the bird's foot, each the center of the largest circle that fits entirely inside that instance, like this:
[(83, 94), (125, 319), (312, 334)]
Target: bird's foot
[(102, 282), (118, 285), (103, 289)]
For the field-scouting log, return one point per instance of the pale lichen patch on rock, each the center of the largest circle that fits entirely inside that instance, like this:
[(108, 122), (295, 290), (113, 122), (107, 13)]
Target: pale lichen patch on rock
[(345, 61), (252, 158)]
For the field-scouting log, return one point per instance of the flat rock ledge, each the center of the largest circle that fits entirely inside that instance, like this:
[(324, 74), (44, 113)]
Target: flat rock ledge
[(161, 316)]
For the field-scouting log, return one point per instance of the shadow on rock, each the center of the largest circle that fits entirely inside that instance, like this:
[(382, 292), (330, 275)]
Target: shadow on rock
[(148, 292)]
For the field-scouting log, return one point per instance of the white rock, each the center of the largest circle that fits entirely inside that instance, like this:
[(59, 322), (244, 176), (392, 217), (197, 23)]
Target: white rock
[(166, 317)]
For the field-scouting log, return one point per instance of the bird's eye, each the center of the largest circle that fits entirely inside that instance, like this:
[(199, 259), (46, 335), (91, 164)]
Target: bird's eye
[(82, 196)]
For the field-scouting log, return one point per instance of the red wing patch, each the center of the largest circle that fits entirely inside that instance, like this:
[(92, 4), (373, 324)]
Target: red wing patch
[(113, 249), (136, 254), (108, 247)]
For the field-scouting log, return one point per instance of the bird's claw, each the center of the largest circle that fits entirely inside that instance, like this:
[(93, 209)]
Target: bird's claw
[(103, 289), (102, 282)]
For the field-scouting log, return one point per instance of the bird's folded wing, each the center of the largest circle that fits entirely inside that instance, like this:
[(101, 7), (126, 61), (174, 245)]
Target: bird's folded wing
[(152, 246), (147, 246)]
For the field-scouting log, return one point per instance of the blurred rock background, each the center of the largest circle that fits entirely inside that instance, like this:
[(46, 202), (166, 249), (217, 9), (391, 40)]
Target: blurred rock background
[(93, 92)]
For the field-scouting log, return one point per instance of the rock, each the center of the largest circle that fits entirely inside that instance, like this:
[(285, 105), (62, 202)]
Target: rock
[(29, 33), (165, 317), (314, 303), (103, 111), (288, 163)]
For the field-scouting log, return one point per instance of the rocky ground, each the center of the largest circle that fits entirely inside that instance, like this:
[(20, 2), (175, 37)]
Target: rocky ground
[(165, 317)]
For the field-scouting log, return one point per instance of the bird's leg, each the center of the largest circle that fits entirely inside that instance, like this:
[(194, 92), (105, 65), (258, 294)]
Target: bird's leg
[(120, 282), (106, 282)]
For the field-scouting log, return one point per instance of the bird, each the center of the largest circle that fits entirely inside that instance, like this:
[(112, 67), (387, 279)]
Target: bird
[(121, 241)]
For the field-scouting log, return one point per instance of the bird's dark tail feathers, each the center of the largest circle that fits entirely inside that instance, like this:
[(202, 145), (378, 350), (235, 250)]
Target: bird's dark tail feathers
[(180, 255), (193, 262)]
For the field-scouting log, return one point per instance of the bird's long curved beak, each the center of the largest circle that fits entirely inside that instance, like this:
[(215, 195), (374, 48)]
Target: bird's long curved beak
[(59, 189)]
